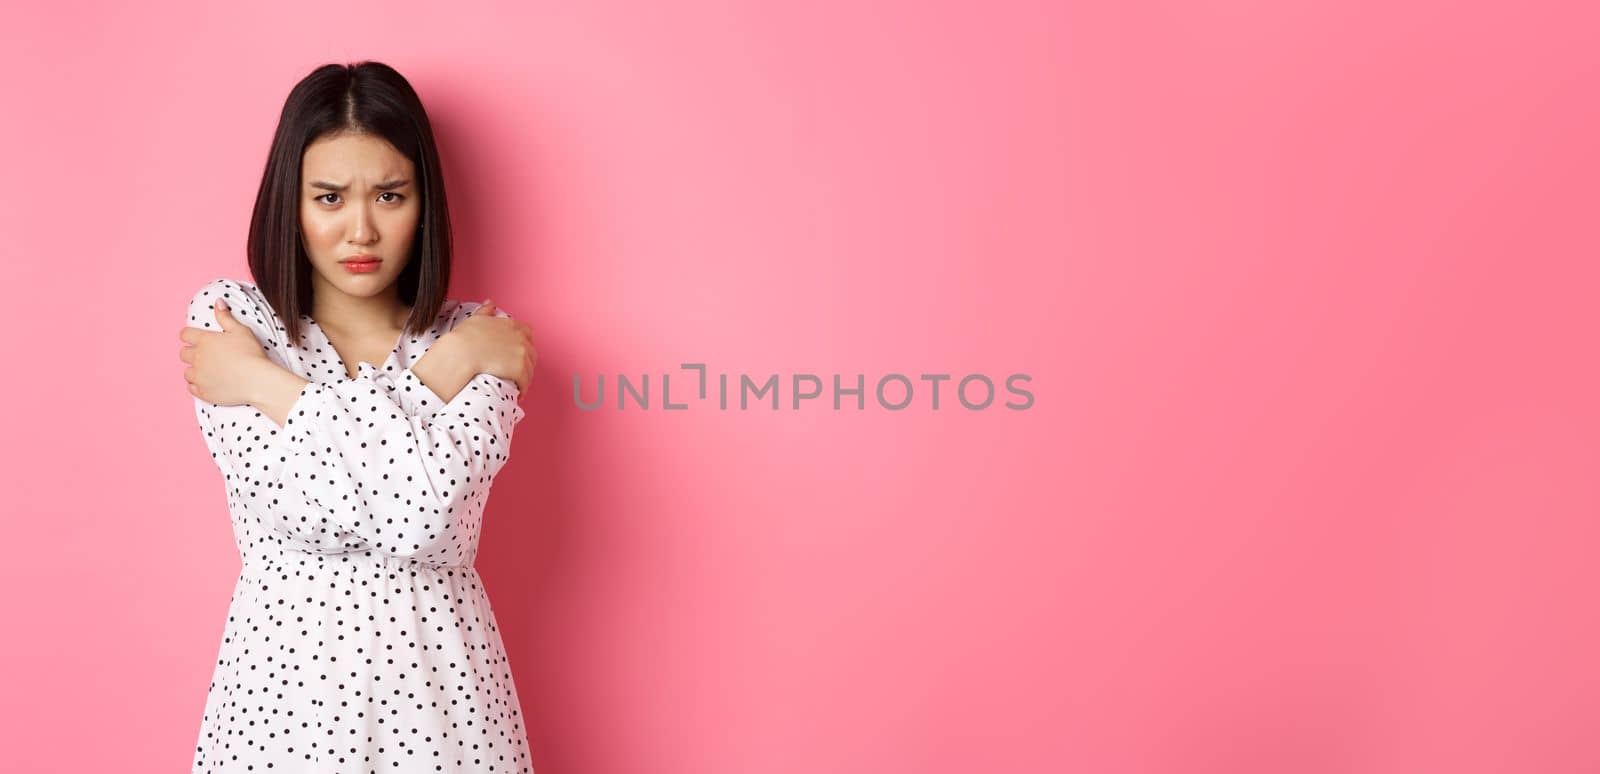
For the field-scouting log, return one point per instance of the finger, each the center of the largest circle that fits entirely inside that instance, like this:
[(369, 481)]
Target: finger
[(224, 315), (186, 354)]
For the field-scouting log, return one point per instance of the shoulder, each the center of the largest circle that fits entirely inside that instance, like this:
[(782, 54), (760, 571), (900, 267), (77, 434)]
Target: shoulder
[(244, 301), (229, 290), (453, 311), (464, 309), (236, 291)]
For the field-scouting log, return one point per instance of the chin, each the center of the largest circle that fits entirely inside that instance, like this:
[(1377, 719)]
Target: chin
[(365, 284)]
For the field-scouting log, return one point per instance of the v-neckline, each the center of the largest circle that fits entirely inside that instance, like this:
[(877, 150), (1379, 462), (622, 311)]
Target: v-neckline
[(394, 351)]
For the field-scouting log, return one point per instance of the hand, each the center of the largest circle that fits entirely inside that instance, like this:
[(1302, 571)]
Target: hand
[(498, 346), (224, 365)]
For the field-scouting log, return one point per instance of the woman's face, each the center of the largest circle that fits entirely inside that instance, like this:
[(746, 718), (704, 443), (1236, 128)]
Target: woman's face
[(359, 197)]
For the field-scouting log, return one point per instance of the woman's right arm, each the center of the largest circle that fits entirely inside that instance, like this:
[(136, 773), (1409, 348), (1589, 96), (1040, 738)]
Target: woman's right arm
[(488, 342), (442, 370)]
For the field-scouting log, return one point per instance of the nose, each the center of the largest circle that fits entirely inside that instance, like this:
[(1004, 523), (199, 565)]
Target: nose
[(364, 229)]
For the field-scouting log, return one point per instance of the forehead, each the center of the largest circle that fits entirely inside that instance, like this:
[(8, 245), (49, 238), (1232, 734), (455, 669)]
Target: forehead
[(357, 158)]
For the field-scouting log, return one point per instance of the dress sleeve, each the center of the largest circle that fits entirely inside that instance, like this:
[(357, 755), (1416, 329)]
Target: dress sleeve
[(399, 482)]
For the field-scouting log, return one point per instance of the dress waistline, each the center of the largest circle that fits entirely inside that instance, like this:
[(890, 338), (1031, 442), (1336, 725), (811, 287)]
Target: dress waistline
[(280, 556)]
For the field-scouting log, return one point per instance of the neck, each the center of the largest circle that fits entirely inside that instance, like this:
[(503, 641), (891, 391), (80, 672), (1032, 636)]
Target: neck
[(357, 315)]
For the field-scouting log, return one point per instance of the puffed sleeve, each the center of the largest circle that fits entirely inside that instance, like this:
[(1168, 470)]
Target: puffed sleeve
[(398, 482)]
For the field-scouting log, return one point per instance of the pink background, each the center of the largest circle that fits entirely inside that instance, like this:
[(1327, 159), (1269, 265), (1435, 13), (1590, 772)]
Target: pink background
[(1307, 295)]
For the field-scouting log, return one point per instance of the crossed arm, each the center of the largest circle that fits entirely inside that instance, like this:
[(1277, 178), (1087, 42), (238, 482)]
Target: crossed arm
[(443, 369), (392, 468)]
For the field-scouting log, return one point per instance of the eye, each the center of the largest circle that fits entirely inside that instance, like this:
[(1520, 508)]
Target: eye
[(398, 197)]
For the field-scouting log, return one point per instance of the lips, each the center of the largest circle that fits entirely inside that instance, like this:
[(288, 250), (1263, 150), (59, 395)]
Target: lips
[(361, 263)]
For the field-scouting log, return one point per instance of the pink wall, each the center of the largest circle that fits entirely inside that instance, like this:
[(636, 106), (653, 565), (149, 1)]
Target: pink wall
[(1307, 297)]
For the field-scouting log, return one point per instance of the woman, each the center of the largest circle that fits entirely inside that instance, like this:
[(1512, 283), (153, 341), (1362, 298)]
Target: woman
[(359, 636)]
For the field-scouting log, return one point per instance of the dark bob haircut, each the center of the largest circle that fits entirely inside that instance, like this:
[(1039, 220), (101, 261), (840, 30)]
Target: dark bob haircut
[(368, 98)]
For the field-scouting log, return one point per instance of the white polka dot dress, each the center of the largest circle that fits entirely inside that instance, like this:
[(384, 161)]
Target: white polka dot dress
[(359, 637)]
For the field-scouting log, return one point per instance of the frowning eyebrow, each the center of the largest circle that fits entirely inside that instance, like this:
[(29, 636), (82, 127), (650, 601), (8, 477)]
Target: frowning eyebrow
[(387, 185)]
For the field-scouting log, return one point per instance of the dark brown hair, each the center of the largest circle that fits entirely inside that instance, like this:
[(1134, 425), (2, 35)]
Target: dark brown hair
[(370, 98)]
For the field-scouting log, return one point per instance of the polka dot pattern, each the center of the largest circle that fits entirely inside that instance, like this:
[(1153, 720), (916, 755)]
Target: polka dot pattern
[(359, 637)]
